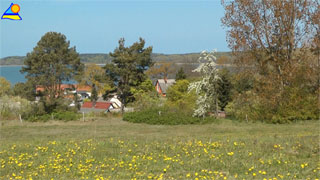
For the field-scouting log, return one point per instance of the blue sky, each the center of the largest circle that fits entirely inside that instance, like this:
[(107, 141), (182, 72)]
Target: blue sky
[(170, 26)]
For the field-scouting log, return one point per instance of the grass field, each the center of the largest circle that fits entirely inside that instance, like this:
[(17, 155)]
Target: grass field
[(110, 148)]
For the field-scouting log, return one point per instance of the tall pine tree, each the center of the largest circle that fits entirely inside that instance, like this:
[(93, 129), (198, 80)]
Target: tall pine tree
[(94, 94), (128, 67), (224, 90), (51, 63)]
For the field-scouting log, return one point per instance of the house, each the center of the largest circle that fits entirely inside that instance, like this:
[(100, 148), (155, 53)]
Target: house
[(115, 102), (84, 91), (96, 107), (163, 84), (68, 91), (65, 90)]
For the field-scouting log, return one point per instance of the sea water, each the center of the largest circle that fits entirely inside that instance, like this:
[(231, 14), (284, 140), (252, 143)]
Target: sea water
[(14, 76)]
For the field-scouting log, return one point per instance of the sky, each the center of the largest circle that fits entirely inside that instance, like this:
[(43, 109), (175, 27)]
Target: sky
[(95, 26)]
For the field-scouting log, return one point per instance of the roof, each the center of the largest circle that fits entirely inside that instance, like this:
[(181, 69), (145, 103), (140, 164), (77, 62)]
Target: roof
[(87, 105), (98, 105), (102, 105), (84, 88), (164, 85)]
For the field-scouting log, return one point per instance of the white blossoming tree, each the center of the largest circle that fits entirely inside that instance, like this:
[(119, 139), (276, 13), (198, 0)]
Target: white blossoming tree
[(207, 88)]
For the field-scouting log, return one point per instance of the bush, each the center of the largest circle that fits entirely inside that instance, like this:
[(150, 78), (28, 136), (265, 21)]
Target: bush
[(180, 99), (61, 115), (11, 107), (66, 116), (164, 116), (293, 106), (37, 112)]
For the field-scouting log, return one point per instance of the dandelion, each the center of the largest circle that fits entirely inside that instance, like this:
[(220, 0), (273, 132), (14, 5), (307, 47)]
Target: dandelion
[(230, 153)]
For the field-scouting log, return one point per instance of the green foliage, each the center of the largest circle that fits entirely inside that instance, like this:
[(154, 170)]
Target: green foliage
[(94, 94), (243, 82), (44, 111), (178, 91), (224, 88), (180, 74), (5, 86), (24, 90), (32, 111), (127, 68), (66, 116), (145, 86), (58, 104), (179, 97), (86, 100), (164, 116), (145, 96), (60, 116), (295, 105), (51, 62), (94, 75), (76, 100), (11, 107)]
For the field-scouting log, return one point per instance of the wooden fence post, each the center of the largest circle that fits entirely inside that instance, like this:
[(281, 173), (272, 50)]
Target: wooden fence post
[(20, 118)]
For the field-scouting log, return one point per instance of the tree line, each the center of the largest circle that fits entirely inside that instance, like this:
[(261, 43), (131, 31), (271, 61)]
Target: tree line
[(101, 58)]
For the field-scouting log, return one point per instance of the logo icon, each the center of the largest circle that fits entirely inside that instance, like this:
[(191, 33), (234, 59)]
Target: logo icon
[(12, 12)]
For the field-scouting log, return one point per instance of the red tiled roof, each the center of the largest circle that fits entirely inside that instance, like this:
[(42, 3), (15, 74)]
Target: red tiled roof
[(99, 105), (102, 105), (87, 105)]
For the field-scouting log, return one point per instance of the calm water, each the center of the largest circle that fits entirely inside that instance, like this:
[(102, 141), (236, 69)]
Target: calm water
[(13, 75)]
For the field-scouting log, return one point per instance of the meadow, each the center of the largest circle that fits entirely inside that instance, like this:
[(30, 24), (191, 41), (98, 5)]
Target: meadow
[(109, 148)]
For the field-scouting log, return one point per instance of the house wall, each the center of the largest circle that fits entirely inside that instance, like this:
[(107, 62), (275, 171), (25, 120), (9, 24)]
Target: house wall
[(158, 89)]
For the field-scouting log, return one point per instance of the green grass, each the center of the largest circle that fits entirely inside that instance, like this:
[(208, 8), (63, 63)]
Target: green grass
[(109, 148)]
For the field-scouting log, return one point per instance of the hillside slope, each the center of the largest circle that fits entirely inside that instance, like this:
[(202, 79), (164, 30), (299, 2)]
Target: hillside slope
[(99, 58)]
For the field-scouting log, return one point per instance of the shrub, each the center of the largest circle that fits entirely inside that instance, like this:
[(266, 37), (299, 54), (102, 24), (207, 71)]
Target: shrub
[(33, 112), (61, 115), (66, 116), (37, 112), (164, 116), (11, 107), (294, 106), (180, 99)]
